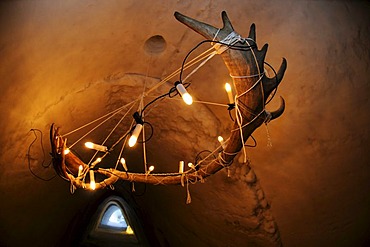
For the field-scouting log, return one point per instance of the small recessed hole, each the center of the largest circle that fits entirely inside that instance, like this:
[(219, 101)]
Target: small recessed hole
[(155, 44)]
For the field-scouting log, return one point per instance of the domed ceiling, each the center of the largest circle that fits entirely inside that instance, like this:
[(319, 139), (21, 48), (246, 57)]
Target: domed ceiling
[(71, 62)]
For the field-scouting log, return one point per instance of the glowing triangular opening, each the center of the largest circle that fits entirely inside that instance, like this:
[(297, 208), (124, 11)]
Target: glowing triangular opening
[(114, 219)]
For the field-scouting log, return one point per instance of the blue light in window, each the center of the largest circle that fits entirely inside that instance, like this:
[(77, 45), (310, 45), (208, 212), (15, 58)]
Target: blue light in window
[(113, 218)]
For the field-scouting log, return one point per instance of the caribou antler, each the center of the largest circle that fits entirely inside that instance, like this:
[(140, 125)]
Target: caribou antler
[(246, 66)]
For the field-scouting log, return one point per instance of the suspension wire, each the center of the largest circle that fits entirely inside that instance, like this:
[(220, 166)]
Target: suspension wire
[(203, 102), (97, 126), (176, 72), (111, 132)]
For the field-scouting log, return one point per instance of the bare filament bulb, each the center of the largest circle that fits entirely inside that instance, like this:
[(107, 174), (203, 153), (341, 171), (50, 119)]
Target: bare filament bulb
[(92, 180), (229, 93), (186, 97), (123, 163), (98, 160), (80, 170), (222, 142), (97, 147), (190, 165), (181, 166), (135, 134)]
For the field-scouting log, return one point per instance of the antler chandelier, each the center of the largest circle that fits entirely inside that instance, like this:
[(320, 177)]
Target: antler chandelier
[(245, 63)]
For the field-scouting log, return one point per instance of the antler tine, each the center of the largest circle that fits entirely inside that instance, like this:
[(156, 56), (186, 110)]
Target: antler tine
[(261, 54), (202, 28), (252, 32), (226, 21), (269, 84), (277, 113)]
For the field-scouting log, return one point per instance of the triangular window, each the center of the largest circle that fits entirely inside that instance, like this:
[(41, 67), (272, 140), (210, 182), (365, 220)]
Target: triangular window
[(114, 219)]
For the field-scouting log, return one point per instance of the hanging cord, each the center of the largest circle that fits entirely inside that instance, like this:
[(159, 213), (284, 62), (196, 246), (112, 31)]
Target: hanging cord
[(43, 159), (112, 114), (111, 132), (226, 42), (239, 117)]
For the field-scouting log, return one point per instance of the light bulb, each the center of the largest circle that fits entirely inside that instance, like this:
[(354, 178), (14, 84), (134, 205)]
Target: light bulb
[(221, 140), (92, 180), (186, 97), (123, 162), (135, 134), (229, 93), (80, 170), (66, 151), (97, 147), (151, 168), (191, 165), (98, 160), (181, 166)]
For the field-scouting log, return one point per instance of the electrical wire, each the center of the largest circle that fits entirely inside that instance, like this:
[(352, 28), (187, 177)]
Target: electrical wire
[(43, 160)]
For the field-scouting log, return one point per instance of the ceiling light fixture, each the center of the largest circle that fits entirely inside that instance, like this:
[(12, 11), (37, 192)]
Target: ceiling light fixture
[(249, 117)]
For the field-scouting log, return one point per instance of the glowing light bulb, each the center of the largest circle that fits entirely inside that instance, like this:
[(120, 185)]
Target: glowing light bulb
[(191, 165), (80, 170), (66, 151), (222, 142), (97, 147), (135, 134), (181, 166), (92, 180), (229, 93), (186, 97), (123, 162), (98, 160), (151, 168)]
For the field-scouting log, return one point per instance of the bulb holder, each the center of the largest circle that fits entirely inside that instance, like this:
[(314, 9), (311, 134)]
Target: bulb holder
[(138, 118), (231, 106)]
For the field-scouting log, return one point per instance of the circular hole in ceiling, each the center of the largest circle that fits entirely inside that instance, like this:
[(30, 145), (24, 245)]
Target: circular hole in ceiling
[(155, 44)]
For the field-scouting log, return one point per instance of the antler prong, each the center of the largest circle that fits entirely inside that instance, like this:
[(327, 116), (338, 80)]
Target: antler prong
[(277, 113), (269, 84)]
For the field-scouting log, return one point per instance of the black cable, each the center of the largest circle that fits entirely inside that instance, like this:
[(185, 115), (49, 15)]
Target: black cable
[(43, 160), (231, 117), (154, 100), (134, 192), (151, 134), (255, 142), (198, 158)]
